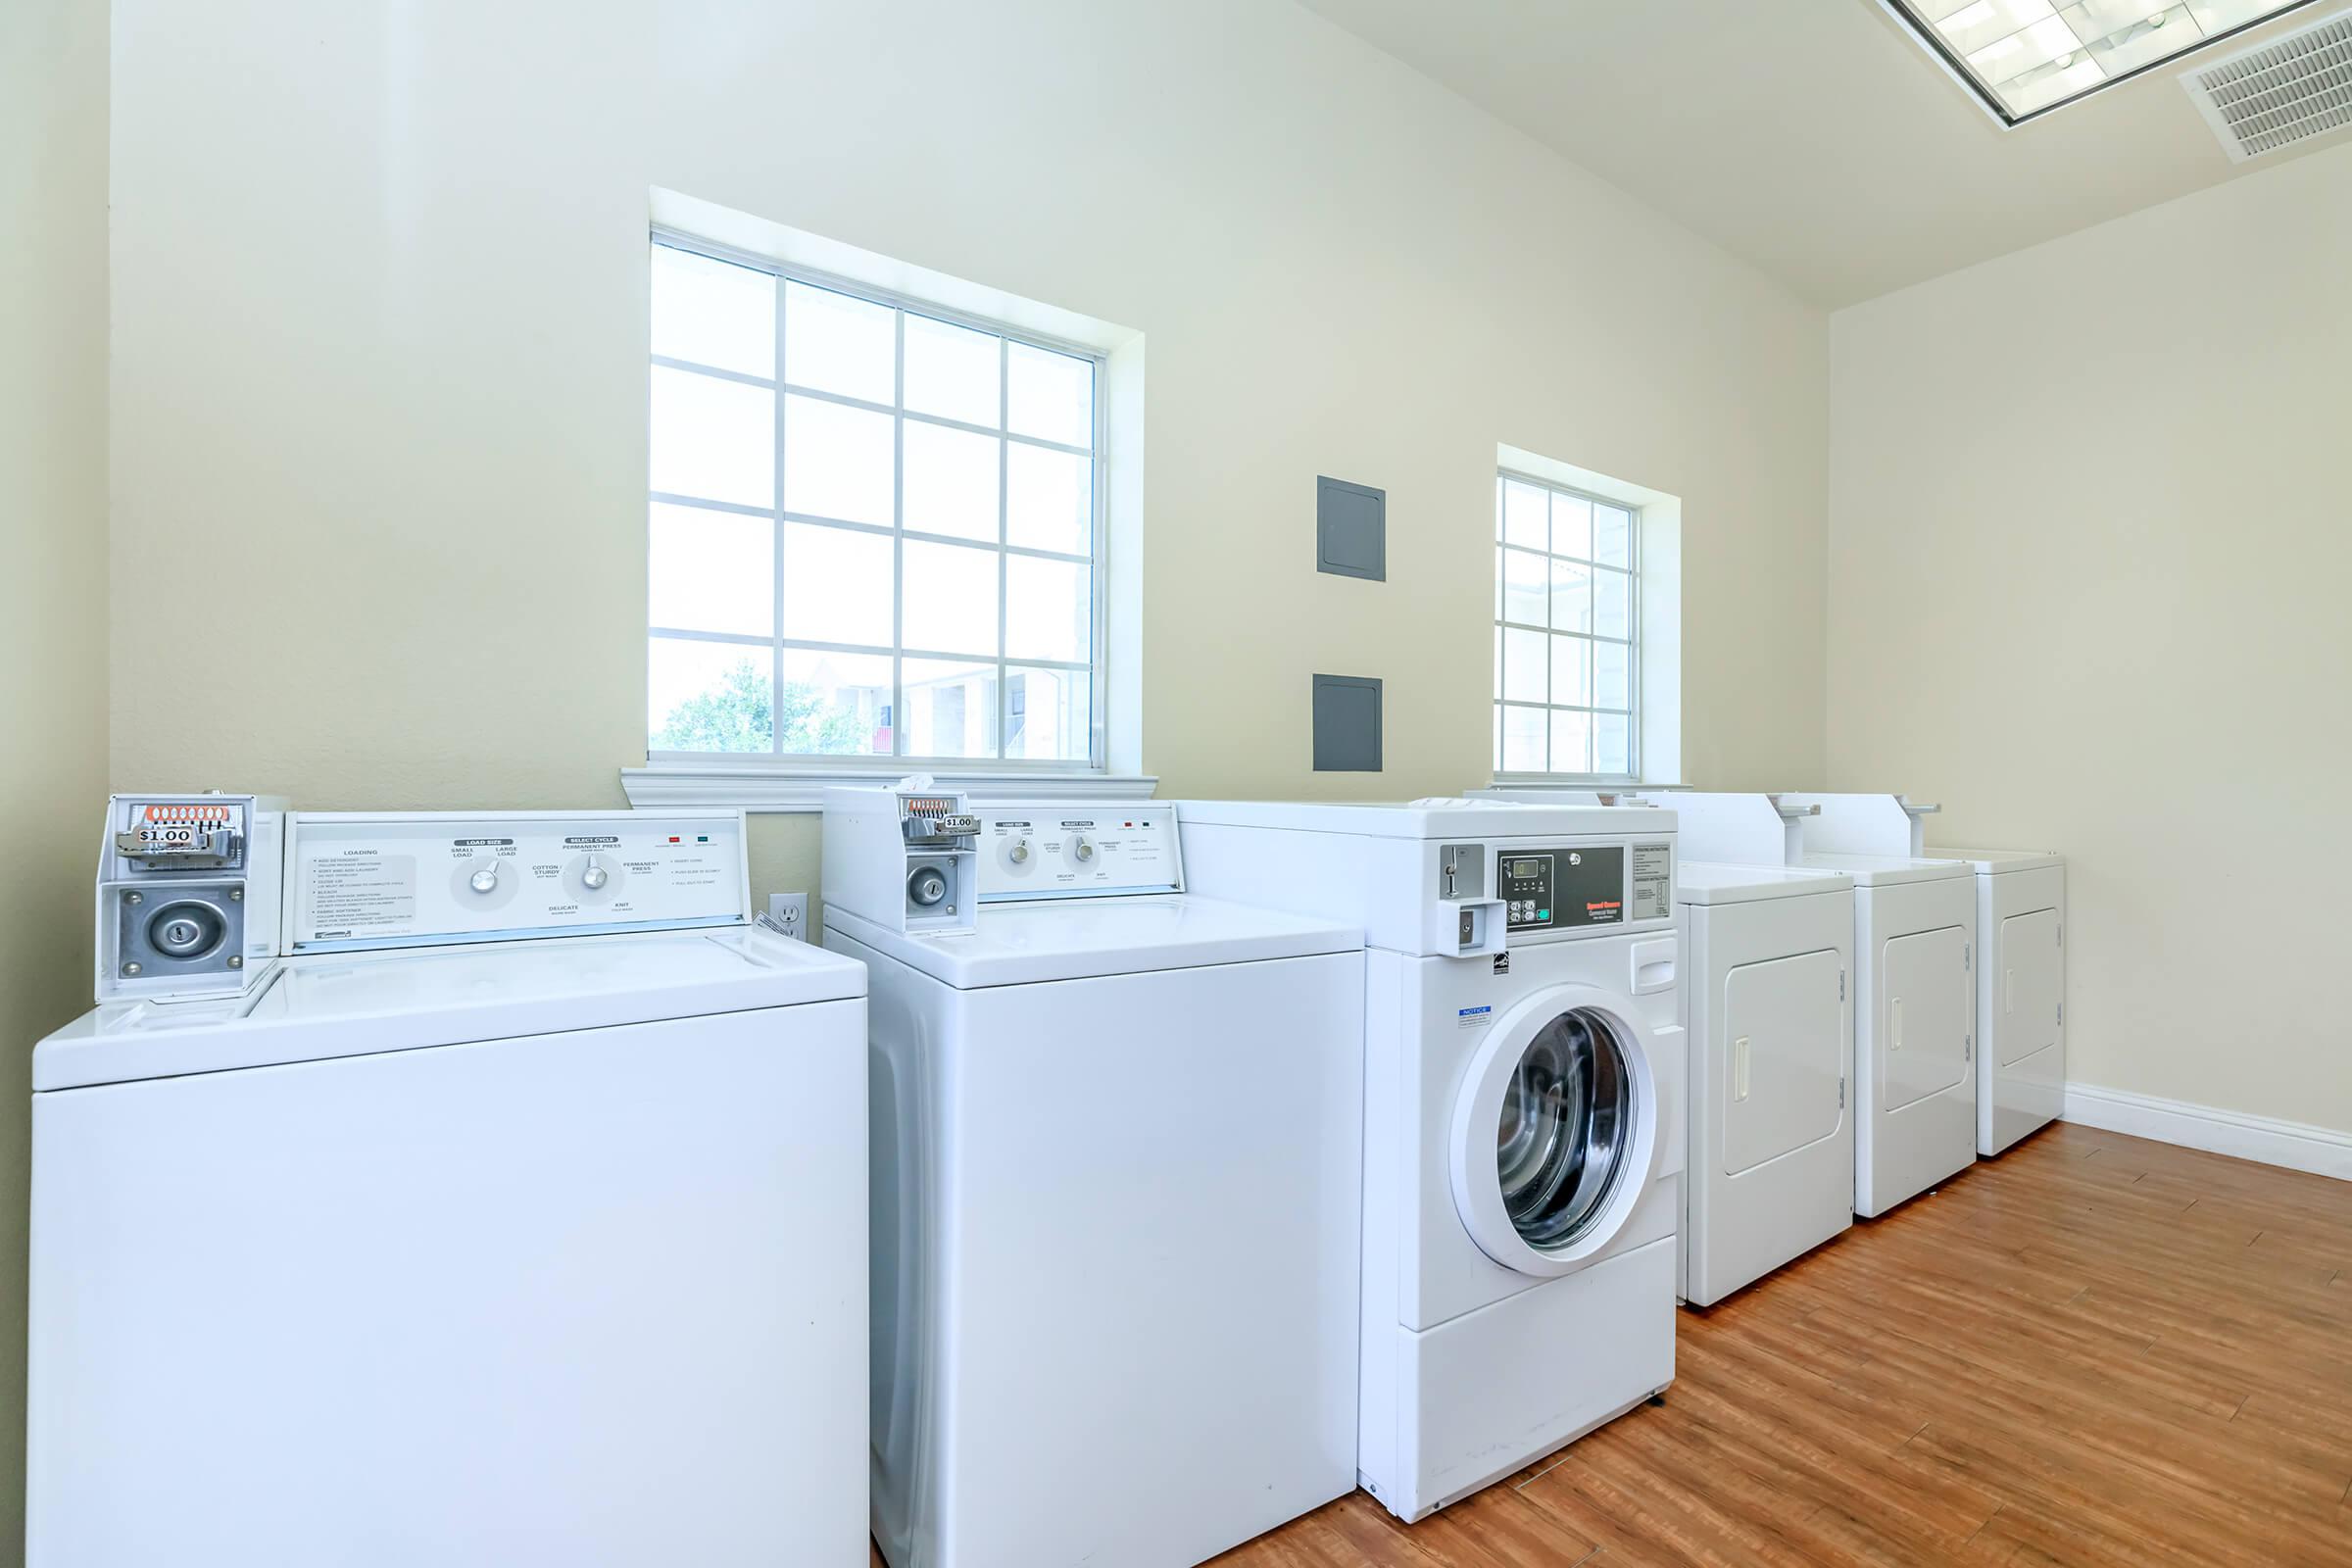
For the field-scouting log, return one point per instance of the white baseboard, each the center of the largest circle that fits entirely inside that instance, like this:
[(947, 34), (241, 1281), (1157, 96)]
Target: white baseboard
[(2291, 1144)]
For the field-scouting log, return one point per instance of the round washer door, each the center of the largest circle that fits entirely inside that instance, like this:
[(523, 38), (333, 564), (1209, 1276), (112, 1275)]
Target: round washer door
[(1556, 1129)]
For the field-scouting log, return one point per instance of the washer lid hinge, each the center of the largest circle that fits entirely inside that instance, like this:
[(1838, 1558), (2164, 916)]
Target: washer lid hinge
[(1842, 984), (1968, 956), (1840, 1094)]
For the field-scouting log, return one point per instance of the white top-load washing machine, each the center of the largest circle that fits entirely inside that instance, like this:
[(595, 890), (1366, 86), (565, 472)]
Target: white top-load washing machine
[(1117, 1155), (517, 1215), (2020, 941), (1915, 1006), (1523, 1149), (1766, 951)]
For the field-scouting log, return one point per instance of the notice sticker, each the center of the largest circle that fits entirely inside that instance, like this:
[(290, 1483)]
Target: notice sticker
[(1470, 1017), (361, 890)]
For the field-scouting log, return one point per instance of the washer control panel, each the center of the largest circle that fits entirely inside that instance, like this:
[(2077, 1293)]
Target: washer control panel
[(357, 880), (1066, 849), (1572, 886)]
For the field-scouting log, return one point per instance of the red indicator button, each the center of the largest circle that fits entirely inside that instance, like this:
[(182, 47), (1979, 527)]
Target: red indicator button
[(674, 838)]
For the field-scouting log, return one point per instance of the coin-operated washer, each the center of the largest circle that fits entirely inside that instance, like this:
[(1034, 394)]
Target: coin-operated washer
[(462, 1189), (1523, 1113), (1117, 1184)]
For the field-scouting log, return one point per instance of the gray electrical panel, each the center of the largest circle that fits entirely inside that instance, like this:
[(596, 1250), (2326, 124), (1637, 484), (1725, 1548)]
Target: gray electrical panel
[(1352, 529), (1347, 721)]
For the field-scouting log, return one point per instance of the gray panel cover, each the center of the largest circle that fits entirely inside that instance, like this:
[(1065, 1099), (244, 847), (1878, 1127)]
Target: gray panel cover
[(1347, 724), (1352, 529)]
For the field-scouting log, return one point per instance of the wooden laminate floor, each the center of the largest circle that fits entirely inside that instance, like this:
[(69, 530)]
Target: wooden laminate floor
[(2095, 1349)]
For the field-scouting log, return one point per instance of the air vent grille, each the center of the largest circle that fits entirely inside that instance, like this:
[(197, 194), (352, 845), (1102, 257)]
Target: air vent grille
[(2287, 91)]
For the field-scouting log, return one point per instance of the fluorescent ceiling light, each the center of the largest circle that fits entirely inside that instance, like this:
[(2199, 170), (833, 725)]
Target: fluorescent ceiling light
[(2024, 58)]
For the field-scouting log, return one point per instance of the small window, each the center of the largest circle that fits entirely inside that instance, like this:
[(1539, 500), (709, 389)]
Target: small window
[(1567, 632), (875, 526)]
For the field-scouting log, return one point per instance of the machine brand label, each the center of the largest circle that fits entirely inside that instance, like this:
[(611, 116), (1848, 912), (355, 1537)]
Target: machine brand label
[(1502, 963)]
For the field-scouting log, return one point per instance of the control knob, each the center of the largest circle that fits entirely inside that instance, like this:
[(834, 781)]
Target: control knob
[(1083, 848), (593, 875), (485, 878)]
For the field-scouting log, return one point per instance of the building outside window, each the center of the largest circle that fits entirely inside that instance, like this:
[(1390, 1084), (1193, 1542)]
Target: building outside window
[(1567, 632), (875, 526)]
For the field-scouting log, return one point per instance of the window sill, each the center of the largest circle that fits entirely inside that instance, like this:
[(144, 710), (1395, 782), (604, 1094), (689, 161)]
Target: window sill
[(762, 787)]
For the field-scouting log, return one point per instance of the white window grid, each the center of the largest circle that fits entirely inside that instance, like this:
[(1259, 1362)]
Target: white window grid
[(899, 653), (1631, 642)]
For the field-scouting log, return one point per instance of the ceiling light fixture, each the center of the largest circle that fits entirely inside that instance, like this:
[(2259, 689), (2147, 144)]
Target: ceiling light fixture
[(2022, 58)]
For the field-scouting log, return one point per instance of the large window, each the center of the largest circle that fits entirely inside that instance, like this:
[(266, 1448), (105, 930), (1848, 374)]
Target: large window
[(1567, 635), (875, 526)]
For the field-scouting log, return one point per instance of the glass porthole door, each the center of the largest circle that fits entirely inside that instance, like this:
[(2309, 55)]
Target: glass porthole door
[(1555, 1130)]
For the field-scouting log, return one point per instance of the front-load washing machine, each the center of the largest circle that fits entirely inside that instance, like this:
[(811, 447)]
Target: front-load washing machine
[(516, 1215), (1915, 994), (1767, 953), (1523, 1052), (2021, 937), (1117, 1179)]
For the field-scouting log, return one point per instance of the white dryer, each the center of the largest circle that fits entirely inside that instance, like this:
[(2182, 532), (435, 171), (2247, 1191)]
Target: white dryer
[(1766, 957), (1117, 1153), (2021, 936), (1915, 1074), (2020, 991), (518, 1216), (1523, 1150)]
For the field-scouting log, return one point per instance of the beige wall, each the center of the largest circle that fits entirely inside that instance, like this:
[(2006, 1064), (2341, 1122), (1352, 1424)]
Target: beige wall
[(2087, 564), (379, 311), (52, 587)]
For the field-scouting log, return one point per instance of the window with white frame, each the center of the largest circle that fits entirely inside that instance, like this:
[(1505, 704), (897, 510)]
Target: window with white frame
[(875, 525), (1567, 634)]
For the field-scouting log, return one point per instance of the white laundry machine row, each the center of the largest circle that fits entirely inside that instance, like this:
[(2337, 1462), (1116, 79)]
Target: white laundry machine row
[(1117, 1150), (516, 1214), (1523, 1130), (2021, 936), (1915, 988), (1766, 957)]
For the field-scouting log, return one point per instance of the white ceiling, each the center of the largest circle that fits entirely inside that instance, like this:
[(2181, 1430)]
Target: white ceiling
[(1815, 138)]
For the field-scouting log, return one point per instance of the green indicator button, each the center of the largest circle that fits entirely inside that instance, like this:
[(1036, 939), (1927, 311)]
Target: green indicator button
[(1543, 914)]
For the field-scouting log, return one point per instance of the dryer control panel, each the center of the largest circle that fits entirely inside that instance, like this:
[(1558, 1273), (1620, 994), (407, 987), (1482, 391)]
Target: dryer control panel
[(358, 880)]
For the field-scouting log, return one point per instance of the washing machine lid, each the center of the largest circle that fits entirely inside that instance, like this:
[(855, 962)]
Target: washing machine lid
[(1440, 818), (1997, 862), (1712, 882), (313, 1008), (1886, 870), (1079, 939)]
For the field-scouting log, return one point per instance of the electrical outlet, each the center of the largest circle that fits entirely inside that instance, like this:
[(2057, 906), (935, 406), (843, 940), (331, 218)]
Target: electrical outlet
[(791, 912)]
